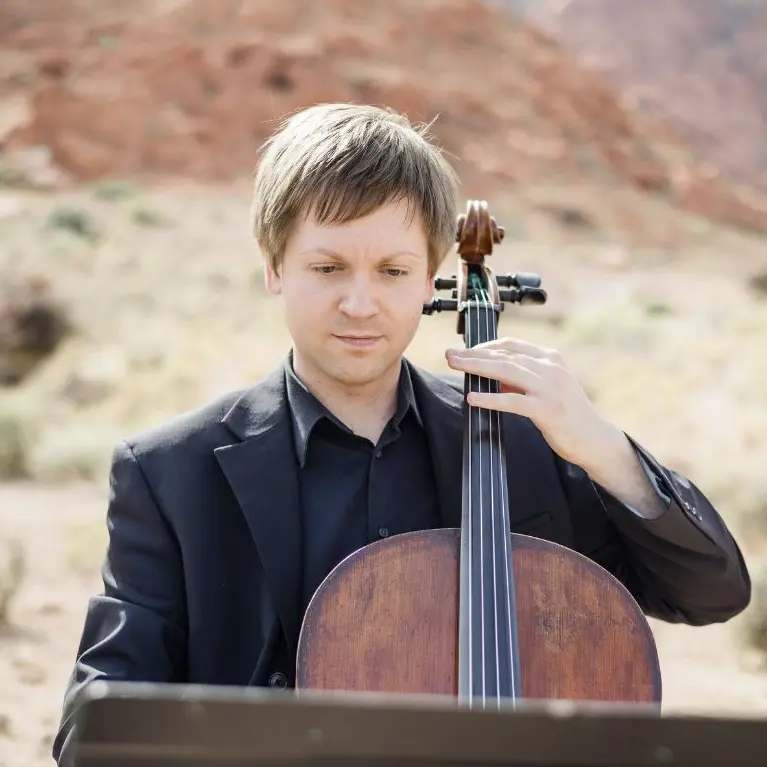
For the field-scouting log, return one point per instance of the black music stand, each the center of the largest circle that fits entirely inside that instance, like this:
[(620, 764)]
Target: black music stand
[(129, 724)]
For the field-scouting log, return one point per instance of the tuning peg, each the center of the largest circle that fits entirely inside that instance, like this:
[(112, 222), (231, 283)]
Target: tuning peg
[(445, 283), (440, 305), (519, 280), (524, 295)]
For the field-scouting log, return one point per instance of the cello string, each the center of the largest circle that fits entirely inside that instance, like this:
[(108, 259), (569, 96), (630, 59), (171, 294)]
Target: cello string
[(483, 613), (487, 305), (470, 531), (505, 528), (476, 522), (507, 563)]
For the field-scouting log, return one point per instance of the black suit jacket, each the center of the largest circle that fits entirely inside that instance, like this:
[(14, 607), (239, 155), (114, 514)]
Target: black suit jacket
[(202, 575)]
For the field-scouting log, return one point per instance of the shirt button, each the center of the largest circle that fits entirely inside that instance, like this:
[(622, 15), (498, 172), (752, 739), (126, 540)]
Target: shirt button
[(278, 680), (383, 532), (378, 453)]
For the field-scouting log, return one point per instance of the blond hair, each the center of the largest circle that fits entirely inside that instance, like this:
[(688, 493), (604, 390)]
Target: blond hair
[(339, 162)]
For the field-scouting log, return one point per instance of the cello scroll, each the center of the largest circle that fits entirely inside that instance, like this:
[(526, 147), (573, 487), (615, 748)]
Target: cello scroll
[(477, 233)]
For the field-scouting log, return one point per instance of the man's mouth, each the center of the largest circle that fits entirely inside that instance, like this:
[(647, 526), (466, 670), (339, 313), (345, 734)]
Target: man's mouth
[(359, 341)]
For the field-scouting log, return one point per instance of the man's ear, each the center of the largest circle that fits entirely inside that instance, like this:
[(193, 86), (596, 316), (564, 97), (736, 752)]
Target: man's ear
[(428, 288), (272, 279)]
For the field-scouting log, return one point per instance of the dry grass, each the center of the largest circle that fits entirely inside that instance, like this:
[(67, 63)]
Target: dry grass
[(12, 571), (19, 426)]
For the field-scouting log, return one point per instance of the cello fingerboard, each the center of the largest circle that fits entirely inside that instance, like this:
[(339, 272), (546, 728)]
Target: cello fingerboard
[(489, 668)]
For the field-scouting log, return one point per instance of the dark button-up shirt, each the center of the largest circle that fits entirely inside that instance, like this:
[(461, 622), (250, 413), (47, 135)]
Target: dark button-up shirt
[(352, 491)]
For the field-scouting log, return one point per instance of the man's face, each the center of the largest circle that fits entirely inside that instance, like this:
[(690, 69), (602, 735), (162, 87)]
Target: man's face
[(353, 295)]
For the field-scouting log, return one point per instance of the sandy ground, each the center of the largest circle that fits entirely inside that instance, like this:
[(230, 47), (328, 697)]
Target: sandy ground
[(704, 671)]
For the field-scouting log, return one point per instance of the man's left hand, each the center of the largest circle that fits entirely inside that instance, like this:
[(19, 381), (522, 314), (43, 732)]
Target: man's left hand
[(535, 382)]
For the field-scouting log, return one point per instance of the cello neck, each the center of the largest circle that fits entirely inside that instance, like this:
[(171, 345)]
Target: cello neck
[(488, 648)]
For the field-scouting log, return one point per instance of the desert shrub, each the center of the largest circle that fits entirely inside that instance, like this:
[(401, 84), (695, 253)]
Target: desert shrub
[(12, 570), (32, 325)]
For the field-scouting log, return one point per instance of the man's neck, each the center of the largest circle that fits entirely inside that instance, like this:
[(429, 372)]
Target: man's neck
[(365, 410)]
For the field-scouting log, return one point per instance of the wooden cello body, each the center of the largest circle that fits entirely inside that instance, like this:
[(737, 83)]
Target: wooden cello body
[(478, 612)]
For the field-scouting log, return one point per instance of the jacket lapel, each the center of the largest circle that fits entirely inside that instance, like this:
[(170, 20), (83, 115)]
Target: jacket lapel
[(441, 407), (262, 473)]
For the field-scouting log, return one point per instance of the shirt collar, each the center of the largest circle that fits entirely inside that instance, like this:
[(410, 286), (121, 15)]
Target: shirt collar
[(306, 410)]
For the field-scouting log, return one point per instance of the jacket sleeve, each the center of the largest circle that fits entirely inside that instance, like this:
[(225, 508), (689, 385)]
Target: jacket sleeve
[(682, 566), (136, 629)]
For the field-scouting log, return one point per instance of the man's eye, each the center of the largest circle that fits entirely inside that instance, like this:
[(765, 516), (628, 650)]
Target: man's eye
[(395, 272), (325, 268)]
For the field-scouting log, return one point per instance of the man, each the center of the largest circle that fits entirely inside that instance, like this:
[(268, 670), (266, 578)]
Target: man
[(224, 521)]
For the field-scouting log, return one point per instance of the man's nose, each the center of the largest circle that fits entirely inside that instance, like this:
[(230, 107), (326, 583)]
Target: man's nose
[(359, 299)]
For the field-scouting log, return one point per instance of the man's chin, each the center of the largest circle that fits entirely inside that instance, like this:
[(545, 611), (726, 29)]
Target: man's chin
[(363, 372), (359, 378)]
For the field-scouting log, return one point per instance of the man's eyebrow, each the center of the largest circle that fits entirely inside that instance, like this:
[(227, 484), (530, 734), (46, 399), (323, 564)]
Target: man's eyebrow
[(404, 253), (335, 254), (321, 252)]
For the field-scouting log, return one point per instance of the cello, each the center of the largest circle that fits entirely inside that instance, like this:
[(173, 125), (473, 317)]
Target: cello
[(480, 613)]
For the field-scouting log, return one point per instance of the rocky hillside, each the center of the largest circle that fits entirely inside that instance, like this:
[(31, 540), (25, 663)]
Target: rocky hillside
[(190, 88), (707, 71)]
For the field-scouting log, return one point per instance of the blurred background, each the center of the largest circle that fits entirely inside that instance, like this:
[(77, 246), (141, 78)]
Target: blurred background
[(621, 144)]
